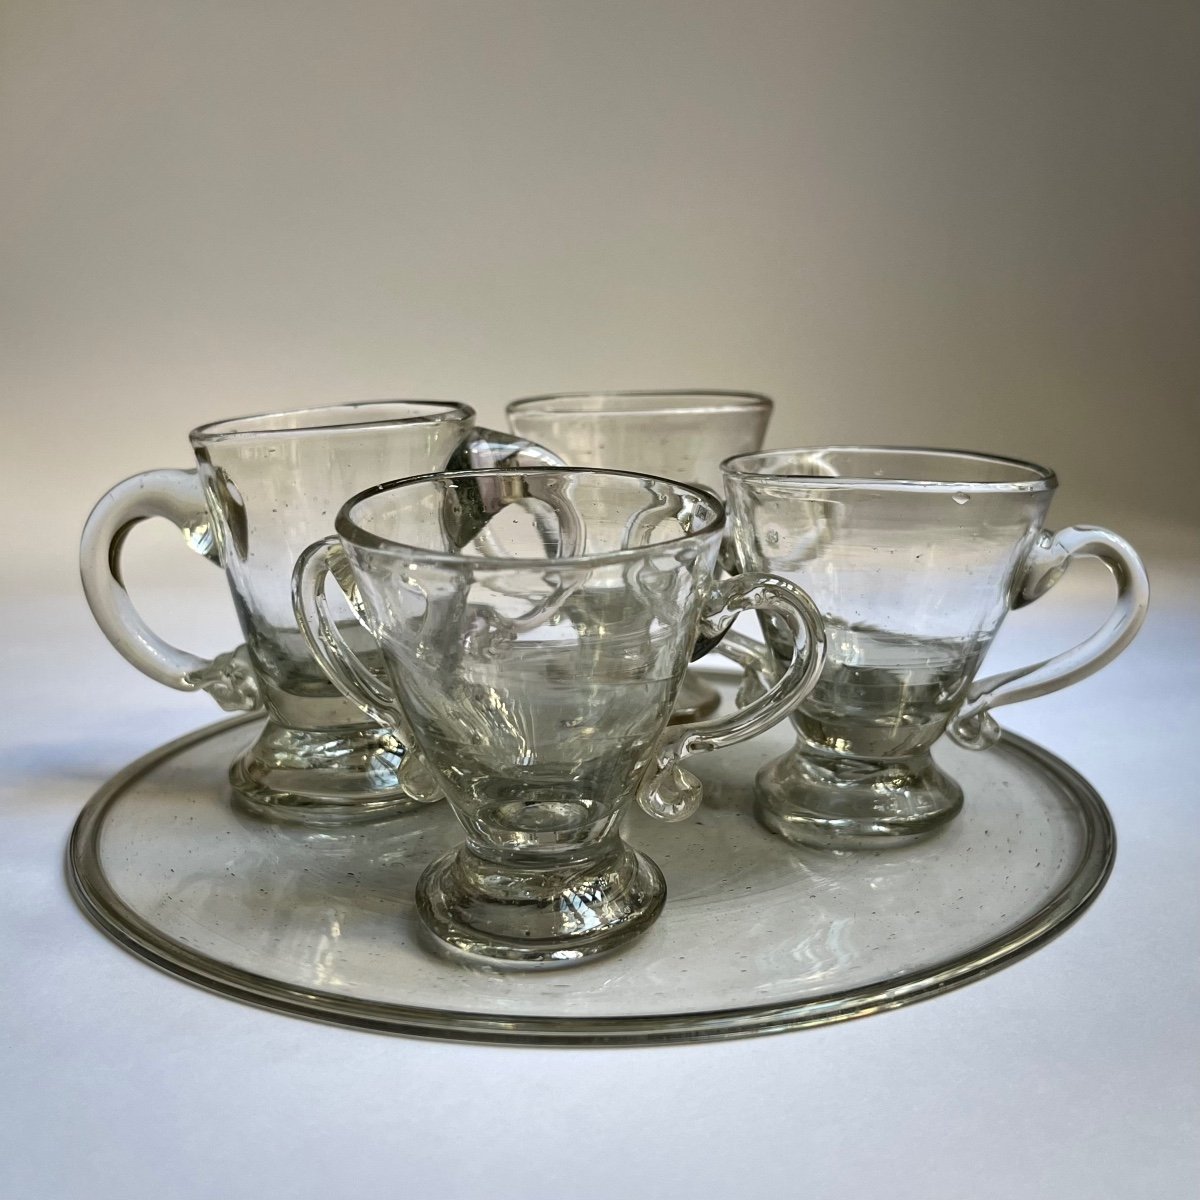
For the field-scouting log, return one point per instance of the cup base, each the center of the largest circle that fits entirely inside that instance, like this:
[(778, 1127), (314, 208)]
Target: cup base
[(854, 804), (695, 700), (320, 777), (524, 916)]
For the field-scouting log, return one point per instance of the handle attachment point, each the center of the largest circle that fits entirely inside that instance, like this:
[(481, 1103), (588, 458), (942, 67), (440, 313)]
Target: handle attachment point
[(230, 680)]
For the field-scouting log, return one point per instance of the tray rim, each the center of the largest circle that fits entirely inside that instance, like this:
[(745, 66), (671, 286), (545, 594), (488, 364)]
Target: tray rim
[(102, 905)]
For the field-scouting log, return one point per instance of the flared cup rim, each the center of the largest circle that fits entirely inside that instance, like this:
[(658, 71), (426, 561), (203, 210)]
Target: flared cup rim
[(228, 428), (355, 535), (1028, 477), (725, 400)]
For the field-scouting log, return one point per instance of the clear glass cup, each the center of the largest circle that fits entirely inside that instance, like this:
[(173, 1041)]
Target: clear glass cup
[(681, 434), (914, 558), (264, 487), (535, 627)]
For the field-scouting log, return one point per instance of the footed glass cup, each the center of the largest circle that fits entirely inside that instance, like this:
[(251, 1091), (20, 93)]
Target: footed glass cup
[(535, 627), (680, 435), (914, 558), (263, 488)]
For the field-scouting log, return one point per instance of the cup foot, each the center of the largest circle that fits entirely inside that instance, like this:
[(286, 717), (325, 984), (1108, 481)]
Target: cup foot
[(539, 916), (696, 699), (854, 804), (320, 777)]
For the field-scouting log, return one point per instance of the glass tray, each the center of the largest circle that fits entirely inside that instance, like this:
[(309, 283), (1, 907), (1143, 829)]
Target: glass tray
[(757, 936)]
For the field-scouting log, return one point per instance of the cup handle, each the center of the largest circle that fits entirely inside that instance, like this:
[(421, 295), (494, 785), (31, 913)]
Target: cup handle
[(483, 448), (344, 669), (973, 726), (179, 497), (672, 793)]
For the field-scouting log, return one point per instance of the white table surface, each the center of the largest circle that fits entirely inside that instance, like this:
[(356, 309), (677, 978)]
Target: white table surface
[(1073, 1073)]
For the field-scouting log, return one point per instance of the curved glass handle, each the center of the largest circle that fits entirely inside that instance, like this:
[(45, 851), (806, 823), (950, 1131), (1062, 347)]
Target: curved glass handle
[(464, 520), (344, 669), (673, 793), (484, 448), (179, 497), (973, 726)]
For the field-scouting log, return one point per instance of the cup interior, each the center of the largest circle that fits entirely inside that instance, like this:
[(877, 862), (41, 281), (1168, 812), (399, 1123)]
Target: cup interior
[(528, 515)]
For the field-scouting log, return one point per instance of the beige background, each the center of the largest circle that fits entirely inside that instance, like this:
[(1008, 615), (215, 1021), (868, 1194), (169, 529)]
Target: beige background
[(968, 224)]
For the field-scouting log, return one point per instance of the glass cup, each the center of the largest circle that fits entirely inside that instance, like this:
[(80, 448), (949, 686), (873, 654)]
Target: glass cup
[(535, 627), (680, 435), (264, 487), (914, 557)]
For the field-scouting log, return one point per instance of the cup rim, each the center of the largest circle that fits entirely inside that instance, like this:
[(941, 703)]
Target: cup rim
[(1032, 478), (731, 400), (356, 535), (227, 428)]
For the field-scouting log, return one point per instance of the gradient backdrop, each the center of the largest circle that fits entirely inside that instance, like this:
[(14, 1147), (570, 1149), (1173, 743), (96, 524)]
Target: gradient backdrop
[(965, 224)]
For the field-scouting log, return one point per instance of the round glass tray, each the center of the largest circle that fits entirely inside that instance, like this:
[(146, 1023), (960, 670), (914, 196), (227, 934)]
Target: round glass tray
[(757, 935)]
